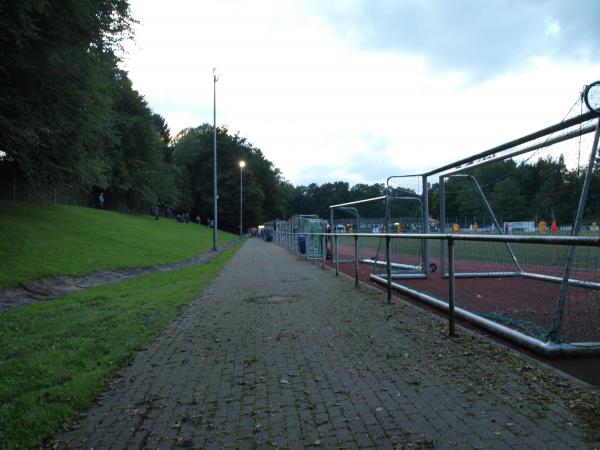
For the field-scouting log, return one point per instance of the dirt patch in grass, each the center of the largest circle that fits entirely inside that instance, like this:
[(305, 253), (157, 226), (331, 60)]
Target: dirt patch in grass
[(54, 287)]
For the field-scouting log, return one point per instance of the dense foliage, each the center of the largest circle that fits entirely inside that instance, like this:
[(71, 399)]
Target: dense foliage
[(71, 121), (58, 83), (266, 194), (526, 191)]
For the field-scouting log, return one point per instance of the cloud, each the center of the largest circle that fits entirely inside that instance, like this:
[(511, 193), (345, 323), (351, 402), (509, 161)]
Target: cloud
[(480, 38), (329, 101)]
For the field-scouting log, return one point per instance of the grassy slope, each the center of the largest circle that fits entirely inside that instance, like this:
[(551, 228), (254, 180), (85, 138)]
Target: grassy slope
[(38, 240), (56, 357)]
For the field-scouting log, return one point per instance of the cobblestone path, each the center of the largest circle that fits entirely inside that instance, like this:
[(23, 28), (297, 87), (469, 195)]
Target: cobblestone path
[(278, 353)]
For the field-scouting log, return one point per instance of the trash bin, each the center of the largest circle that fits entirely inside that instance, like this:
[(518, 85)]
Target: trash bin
[(302, 244)]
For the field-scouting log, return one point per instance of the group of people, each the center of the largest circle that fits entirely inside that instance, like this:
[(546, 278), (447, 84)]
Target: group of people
[(183, 217), (155, 212)]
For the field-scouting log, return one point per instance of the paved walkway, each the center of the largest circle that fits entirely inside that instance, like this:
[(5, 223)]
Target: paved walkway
[(278, 353)]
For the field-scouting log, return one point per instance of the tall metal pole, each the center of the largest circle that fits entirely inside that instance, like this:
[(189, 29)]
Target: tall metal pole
[(425, 225), (451, 288), (242, 165), (356, 260), (442, 194), (215, 195), (388, 265)]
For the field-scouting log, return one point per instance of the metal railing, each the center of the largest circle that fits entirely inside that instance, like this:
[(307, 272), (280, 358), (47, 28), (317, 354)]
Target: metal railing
[(551, 346)]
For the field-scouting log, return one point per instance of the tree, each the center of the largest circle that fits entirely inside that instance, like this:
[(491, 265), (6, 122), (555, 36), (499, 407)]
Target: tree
[(165, 135), (139, 176), (507, 201), (266, 193), (58, 68)]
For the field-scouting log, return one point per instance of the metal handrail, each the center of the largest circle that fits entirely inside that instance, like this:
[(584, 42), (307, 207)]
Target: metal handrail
[(587, 241)]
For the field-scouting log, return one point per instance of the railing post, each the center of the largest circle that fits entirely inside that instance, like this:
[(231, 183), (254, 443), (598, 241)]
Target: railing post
[(356, 261), (306, 245), (451, 287), (425, 225), (388, 257), (324, 248), (337, 261), (442, 224)]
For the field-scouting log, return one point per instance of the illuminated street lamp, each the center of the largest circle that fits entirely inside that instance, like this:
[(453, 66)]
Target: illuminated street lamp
[(242, 165), (215, 195)]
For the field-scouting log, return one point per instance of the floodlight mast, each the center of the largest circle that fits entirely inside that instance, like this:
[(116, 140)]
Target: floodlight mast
[(242, 165), (215, 195)]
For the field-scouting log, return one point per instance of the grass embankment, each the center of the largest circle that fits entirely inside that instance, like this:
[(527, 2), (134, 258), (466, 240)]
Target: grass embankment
[(56, 357), (39, 240)]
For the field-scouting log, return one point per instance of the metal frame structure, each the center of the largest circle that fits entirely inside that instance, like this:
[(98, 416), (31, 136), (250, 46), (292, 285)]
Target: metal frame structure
[(502, 152), (304, 226), (399, 270), (499, 229), (350, 206), (424, 213), (480, 160), (550, 347)]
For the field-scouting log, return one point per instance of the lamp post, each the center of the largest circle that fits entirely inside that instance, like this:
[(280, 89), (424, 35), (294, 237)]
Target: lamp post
[(215, 195), (242, 165)]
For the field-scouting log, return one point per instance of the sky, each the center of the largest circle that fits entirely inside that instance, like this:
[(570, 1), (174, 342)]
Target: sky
[(359, 90)]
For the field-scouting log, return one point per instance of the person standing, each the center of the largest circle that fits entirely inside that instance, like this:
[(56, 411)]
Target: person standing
[(101, 200)]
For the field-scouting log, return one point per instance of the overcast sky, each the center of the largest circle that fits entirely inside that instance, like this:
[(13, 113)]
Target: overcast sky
[(358, 90)]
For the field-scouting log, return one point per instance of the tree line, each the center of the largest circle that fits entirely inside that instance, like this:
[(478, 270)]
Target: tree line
[(544, 189)]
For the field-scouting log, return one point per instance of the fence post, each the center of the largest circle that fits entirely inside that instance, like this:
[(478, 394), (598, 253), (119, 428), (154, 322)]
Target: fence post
[(337, 262), (306, 245), (324, 248), (388, 257), (355, 260), (442, 224), (451, 287)]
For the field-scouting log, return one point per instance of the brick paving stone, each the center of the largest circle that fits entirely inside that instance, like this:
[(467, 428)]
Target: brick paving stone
[(280, 353)]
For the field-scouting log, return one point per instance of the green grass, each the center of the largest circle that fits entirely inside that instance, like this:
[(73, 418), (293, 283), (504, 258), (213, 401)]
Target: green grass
[(39, 240), (57, 356)]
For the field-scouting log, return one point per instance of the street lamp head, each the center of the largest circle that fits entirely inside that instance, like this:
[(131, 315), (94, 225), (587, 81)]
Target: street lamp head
[(242, 164)]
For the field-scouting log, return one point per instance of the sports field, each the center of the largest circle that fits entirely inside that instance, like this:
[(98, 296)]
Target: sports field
[(525, 304), (485, 252)]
